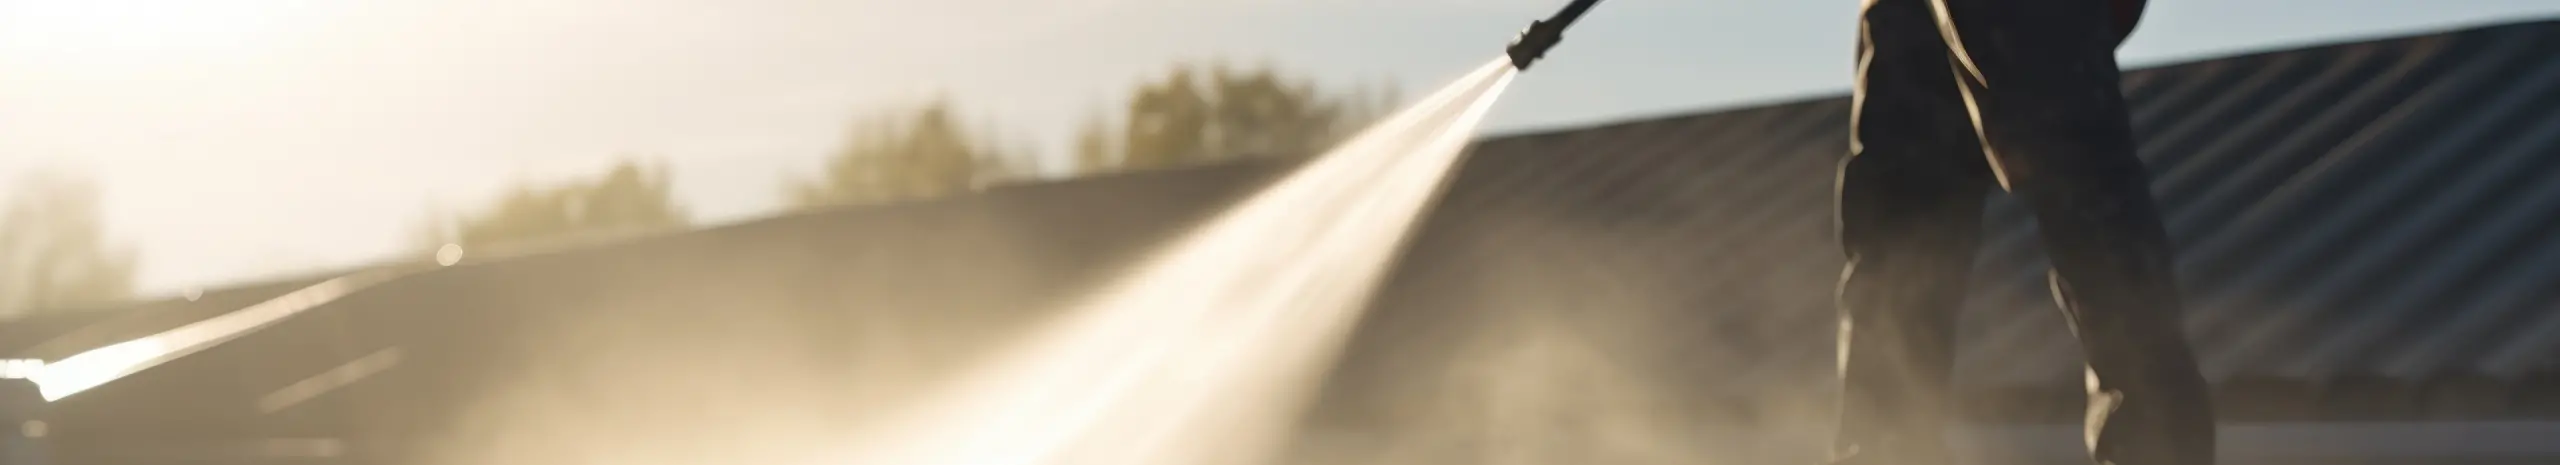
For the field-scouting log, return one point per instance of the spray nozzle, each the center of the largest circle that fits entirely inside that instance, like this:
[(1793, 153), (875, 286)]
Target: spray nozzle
[(1544, 34), (1533, 43)]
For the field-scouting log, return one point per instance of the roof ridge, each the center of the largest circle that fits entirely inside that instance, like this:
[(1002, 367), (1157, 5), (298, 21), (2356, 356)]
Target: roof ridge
[(2275, 49)]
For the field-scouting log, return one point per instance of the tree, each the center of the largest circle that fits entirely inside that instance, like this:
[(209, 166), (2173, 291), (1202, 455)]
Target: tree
[(54, 249), (1199, 114), (627, 198), (1365, 106), (1095, 146), (904, 155), (1168, 123)]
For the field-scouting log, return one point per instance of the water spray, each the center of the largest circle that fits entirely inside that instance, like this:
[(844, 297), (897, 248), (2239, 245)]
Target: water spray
[(1201, 356), (1206, 352)]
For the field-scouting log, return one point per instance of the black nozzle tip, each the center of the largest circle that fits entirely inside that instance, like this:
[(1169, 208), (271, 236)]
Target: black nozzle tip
[(1533, 44)]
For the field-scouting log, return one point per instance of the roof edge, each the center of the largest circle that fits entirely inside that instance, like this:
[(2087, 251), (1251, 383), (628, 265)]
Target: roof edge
[(1762, 103), (2376, 37), (2552, 21)]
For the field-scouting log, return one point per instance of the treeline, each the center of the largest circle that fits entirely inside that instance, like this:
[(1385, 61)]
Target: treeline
[(55, 254), (1190, 114), (54, 250)]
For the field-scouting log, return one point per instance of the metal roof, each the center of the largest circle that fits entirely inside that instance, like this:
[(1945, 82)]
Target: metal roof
[(2378, 210)]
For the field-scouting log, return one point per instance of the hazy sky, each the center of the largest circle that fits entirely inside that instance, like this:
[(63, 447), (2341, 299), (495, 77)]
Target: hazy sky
[(242, 138)]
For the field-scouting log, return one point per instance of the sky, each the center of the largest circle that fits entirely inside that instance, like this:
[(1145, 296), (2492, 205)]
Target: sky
[(242, 139)]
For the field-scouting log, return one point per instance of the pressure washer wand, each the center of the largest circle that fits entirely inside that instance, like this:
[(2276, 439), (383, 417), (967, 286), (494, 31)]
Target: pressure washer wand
[(1542, 35)]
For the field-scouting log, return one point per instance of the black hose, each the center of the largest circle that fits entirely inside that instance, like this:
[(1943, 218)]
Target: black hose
[(1572, 11)]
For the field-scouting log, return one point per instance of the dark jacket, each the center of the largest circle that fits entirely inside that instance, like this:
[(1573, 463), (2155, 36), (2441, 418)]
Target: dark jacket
[(2127, 14)]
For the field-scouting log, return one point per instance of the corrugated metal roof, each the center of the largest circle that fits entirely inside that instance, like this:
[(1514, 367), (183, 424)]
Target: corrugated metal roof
[(2372, 210), (2336, 221), (2368, 208)]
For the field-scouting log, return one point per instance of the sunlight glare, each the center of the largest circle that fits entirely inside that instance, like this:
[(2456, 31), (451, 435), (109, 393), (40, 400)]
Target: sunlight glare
[(153, 29), (105, 364)]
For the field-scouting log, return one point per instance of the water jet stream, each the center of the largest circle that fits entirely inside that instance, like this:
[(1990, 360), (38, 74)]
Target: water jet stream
[(1206, 352)]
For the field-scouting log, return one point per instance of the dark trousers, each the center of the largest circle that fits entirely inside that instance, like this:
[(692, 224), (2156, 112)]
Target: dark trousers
[(1956, 97)]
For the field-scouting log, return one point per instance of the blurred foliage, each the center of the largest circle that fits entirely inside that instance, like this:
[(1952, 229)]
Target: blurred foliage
[(906, 154), (627, 198), (1192, 114), (54, 249), (1202, 113)]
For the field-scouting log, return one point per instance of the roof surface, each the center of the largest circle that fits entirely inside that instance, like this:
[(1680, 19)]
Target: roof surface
[(2371, 212)]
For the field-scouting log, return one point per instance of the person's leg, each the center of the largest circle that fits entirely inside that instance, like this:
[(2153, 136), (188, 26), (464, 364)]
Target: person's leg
[(2048, 102), (1910, 206)]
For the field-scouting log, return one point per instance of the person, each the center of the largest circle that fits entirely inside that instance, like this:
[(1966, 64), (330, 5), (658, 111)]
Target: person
[(1954, 97)]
